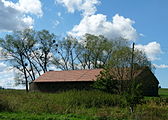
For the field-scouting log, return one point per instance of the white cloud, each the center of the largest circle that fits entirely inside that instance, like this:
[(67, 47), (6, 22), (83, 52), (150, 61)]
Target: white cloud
[(2, 66), (7, 77), (30, 6), (99, 25), (86, 6), (26, 6), (28, 20), (59, 14), (161, 66), (14, 16), (56, 23), (152, 50), (5, 74), (142, 35)]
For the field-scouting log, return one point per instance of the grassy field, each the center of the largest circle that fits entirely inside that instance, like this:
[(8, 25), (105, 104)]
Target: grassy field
[(78, 105), (26, 116), (163, 92)]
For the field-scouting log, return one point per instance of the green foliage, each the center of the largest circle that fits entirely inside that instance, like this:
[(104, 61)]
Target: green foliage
[(134, 95), (105, 82), (28, 51)]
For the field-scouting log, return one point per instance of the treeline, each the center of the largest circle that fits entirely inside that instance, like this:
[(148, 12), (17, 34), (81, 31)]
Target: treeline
[(33, 53)]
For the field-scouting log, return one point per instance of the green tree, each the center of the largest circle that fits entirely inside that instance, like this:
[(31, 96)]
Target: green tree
[(45, 48), (67, 53), (28, 51), (134, 95), (120, 62), (106, 82), (95, 51), (14, 47)]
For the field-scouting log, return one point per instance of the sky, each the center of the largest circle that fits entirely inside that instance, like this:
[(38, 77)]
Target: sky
[(144, 22)]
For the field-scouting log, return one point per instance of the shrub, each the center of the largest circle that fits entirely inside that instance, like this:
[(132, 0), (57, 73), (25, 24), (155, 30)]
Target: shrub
[(105, 82), (4, 106)]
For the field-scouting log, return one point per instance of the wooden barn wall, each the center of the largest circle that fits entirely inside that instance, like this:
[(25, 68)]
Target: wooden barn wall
[(60, 86), (149, 83)]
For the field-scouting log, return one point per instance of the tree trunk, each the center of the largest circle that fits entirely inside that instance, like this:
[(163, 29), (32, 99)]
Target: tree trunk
[(24, 70)]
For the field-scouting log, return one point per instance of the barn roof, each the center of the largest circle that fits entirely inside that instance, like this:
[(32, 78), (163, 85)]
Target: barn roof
[(69, 76), (88, 75)]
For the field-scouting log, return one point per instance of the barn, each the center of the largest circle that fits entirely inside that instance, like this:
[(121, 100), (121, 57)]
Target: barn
[(54, 81)]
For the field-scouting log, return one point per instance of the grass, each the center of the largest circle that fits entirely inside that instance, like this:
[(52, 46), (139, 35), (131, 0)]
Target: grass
[(163, 92), (26, 116), (78, 105)]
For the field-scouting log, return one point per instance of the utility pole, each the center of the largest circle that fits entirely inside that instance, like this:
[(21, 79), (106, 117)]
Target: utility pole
[(132, 60)]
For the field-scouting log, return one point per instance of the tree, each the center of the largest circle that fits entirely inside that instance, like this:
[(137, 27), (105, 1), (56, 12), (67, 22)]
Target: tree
[(120, 67), (134, 95), (67, 53), (28, 51), (89, 53), (95, 51), (120, 62), (14, 47), (1, 87), (46, 45), (105, 81)]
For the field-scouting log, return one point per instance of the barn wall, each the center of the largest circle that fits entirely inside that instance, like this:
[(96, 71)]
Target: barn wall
[(149, 83), (60, 86)]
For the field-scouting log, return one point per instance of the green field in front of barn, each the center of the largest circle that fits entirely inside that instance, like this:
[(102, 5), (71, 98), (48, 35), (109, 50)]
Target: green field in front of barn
[(163, 92), (78, 105)]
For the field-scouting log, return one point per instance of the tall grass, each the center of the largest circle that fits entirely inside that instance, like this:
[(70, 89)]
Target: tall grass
[(88, 103), (19, 101)]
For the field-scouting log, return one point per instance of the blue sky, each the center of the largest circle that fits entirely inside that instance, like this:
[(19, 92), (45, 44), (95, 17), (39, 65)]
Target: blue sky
[(143, 21)]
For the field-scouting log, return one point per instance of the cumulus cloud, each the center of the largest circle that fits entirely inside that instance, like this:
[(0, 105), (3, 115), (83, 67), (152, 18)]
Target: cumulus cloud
[(99, 25), (152, 50), (30, 6), (14, 16), (86, 6), (161, 66)]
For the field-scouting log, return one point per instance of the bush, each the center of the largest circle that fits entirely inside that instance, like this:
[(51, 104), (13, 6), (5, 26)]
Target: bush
[(4, 106), (105, 82)]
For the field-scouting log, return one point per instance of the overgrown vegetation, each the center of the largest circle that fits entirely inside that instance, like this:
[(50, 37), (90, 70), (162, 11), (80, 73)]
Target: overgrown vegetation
[(106, 82), (78, 105)]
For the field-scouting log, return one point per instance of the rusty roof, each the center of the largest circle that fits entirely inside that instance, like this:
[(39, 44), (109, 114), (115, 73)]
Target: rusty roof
[(69, 76), (87, 75)]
